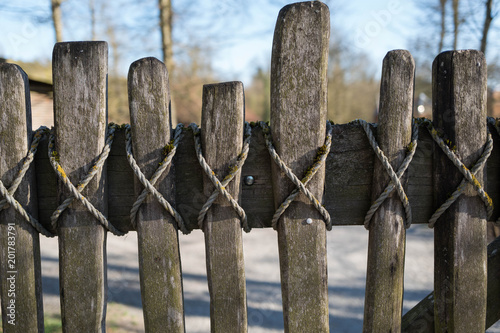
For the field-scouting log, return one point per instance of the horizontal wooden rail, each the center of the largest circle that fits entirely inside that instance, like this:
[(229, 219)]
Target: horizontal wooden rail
[(348, 180)]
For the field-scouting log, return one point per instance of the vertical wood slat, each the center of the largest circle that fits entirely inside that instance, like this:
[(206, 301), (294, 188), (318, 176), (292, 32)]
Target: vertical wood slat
[(222, 139), (80, 115), (459, 111), (159, 257), (386, 245), (298, 121), (20, 277)]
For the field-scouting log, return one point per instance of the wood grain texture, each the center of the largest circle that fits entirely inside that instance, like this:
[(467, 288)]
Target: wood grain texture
[(20, 283), (222, 139), (420, 319), (80, 117), (157, 235), (121, 190), (459, 112), (387, 239), (298, 119)]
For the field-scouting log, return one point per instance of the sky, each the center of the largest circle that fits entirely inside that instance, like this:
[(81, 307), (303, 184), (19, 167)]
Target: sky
[(373, 27)]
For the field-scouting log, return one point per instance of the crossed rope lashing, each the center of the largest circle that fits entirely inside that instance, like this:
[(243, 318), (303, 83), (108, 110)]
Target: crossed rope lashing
[(469, 175), (220, 186), (9, 194), (149, 184), (76, 191), (300, 183), (394, 184)]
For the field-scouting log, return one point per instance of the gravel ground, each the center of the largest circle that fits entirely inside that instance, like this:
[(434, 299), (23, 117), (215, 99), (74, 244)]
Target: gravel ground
[(347, 249)]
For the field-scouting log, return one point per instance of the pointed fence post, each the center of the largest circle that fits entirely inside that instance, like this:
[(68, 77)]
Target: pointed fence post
[(386, 245), (222, 119), (20, 271), (459, 113), (80, 115), (159, 257), (298, 120)]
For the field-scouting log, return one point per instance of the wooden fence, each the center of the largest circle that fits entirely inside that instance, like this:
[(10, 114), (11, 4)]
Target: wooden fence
[(346, 177)]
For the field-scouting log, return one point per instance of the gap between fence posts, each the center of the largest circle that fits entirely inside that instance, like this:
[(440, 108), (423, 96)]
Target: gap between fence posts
[(20, 273), (387, 240), (222, 140), (298, 119), (80, 114), (459, 114), (157, 235)]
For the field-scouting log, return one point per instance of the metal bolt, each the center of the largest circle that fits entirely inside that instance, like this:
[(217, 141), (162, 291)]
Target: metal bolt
[(309, 221), (249, 180)]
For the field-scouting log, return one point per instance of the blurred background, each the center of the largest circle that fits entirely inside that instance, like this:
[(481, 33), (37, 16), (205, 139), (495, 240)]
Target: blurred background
[(224, 40)]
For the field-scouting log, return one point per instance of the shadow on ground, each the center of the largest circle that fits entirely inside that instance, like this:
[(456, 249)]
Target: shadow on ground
[(264, 299)]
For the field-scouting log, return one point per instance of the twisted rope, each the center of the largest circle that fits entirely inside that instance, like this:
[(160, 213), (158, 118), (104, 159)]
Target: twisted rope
[(220, 187), (76, 191), (395, 183), (9, 194), (469, 176), (301, 184), (170, 150)]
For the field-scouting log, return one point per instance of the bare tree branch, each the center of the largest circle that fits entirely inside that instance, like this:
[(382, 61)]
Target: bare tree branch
[(456, 22), (488, 18), (442, 8), (56, 19)]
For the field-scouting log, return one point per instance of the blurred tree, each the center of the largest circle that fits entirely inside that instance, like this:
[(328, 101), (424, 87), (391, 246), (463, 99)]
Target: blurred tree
[(166, 33), (92, 9), (442, 8), (456, 22), (192, 72), (463, 24), (118, 111), (471, 22), (488, 19), (258, 96), (57, 19), (352, 87)]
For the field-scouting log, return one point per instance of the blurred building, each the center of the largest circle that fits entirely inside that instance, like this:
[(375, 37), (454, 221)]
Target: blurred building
[(40, 93), (494, 104), (41, 104)]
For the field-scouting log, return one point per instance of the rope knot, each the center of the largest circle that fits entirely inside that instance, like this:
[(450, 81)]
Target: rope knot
[(470, 183), (76, 191), (395, 183), (319, 160), (169, 151), (9, 194), (220, 187)]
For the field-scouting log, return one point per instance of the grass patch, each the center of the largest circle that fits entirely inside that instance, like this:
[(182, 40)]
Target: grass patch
[(52, 323)]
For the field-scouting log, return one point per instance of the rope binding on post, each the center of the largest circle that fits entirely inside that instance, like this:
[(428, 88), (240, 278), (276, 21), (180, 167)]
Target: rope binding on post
[(9, 194), (220, 186), (395, 183), (149, 188), (300, 184), (76, 191), (469, 175)]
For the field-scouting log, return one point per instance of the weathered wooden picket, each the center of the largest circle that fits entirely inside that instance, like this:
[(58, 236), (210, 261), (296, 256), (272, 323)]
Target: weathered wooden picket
[(346, 178)]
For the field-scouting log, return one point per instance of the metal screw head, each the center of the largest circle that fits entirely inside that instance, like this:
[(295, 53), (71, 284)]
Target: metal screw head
[(249, 180)]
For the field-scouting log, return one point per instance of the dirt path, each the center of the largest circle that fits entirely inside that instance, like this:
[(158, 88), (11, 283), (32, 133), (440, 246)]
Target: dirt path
[(347, 250)]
